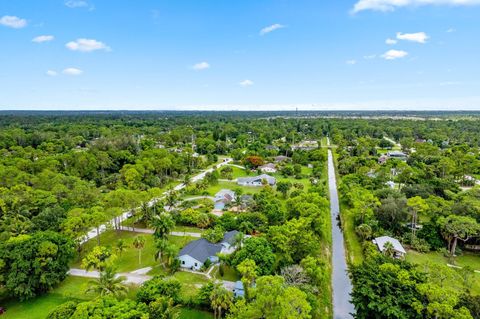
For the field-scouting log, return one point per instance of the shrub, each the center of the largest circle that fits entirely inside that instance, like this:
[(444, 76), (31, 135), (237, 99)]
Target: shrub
[(65, 310), (158, 287)]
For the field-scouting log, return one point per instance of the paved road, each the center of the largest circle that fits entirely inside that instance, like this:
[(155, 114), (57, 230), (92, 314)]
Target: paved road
[(342, 287), (93, 232)]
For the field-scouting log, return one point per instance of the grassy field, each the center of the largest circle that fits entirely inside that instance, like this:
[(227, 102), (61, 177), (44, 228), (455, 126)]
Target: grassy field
[(238, 172), (190, 282), (467, 259), (72, 288), (352, 242), (212, 190), (230, 274), (188, 229), (128, 261)]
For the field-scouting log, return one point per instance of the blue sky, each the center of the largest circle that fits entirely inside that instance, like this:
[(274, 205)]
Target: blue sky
[(249, 54)]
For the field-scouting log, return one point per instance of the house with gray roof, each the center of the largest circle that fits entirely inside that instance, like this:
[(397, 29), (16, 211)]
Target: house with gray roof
[(196, 252), (257, 180), (399, 251)]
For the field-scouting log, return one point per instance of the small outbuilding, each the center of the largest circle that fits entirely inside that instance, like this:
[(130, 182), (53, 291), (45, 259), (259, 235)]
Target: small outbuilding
[(381, 243)]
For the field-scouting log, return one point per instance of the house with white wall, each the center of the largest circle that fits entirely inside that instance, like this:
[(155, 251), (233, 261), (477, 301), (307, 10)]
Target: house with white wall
[(197, 252)]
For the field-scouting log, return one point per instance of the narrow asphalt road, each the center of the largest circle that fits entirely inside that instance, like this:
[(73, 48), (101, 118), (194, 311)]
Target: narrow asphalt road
[(341, 285)]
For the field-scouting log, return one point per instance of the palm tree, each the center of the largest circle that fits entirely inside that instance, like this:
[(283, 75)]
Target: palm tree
[(162, 225), (172, 196), (164, 308), (221, 299), (108, 284), (187, 180), (364, 231), (388, 249), (121, 246), (161, 245), (170, 253), (139, 244)]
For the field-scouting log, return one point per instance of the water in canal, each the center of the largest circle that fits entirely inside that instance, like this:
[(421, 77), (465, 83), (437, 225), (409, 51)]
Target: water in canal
[(342, 308)]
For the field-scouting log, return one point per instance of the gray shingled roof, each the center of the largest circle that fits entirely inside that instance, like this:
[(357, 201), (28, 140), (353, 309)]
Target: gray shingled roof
[(229, 237), (200, 249)]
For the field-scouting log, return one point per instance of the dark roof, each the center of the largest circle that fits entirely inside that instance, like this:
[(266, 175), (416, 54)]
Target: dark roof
[(200, 249), (229, 237)]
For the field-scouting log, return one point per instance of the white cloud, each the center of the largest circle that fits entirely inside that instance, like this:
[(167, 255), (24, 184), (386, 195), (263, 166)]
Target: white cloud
[(13, 22), (43, 38), (391, 5), (201, 66), (271, 28), (370, 57), (87, 45), (419, 37), (391, 41), (72, 71), (351, 62), (246, 83), (451, 30), (394, 54), (51, 73), (76, 4)]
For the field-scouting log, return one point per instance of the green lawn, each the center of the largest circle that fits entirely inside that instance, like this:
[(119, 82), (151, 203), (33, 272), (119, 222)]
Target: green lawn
[(190, 282), (188, 229), (238, 172), (352, 242), (467, 259), (212, 190), (128, 261), (71, 288), (230, 274)]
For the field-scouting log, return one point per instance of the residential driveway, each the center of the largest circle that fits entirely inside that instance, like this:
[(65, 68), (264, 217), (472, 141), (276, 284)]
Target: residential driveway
[(151, 231), (131, 277)]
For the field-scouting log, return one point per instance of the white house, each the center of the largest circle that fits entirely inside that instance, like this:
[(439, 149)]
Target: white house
[(268, 168), (196, 252), (399, 251), (256, 180)]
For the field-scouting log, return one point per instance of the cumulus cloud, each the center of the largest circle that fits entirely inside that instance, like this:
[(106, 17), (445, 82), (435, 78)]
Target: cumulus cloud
[(201, 66), (394, 54), (87, 45), (271, 28), (246, 83), (419, 37), (43, 38), (72, 71), (351, 62), (51, 73), (391, 41), (391, 5), (13, 22)]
